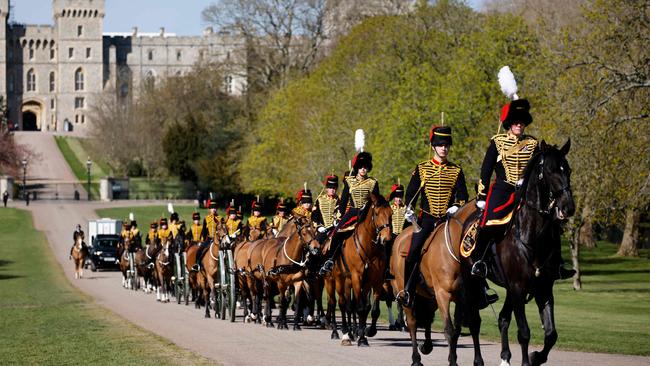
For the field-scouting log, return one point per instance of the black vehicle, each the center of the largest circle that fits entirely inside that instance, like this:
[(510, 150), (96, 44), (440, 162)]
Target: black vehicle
[(103, 252)]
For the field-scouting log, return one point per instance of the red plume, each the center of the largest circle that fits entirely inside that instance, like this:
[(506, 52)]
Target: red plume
[(504, 112), (433, 129)]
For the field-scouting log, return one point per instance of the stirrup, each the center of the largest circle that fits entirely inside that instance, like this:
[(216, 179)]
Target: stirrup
[(195, 267), (403, 298), (327, 267), (150, 265), (479, 268)]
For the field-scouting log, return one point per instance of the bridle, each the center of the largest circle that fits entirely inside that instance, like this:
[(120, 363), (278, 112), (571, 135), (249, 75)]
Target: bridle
[(553, 195), (378, 229)]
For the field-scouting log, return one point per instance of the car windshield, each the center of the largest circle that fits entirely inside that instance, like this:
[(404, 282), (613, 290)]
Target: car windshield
[(106, 243)]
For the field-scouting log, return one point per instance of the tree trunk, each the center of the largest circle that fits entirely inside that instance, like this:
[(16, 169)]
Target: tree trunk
[(574, 244), (586, 231), (628, 246)]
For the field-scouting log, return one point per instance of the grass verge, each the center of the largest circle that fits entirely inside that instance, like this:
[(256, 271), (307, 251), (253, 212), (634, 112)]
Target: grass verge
[(45, 321), (73, 154)]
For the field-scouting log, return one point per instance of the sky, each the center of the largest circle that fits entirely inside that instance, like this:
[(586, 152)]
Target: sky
[(182, 17)]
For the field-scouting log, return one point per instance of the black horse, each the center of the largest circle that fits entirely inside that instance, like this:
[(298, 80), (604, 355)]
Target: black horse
[(525, 261)]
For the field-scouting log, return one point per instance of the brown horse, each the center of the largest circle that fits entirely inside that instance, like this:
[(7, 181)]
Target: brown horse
[(440, 267), (123, 249), (145, 271), (79, 254), (280, 262), (361, 268), (163, 269), (207, 275)]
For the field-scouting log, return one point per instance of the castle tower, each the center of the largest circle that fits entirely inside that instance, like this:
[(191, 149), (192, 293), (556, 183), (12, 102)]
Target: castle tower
[(78, 25), (4, 15)]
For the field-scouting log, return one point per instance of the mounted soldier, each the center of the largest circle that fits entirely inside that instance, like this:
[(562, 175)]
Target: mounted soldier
[(135, 232), (280, 219), (357, 188), (507, 156), (396, 199), (325, 208), (256, 221), (174, 223), (152, 234), (198, 232), (164, 232), (76, 234), (126, 231), (234, 224), (305, 203), (441, 184), (207, 233)]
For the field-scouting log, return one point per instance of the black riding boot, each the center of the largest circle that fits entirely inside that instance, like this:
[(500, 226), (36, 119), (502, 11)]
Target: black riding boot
[(411, 276), (199, 255), (331, 256), (389, 249), (479, 267), (485, 298)]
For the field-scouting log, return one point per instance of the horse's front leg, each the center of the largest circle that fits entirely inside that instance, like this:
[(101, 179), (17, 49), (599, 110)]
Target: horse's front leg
[(413, 332), (474, 328), (545, 304), (523, 331), (505, 316), (372, 330), (443, 299), (361, 295)]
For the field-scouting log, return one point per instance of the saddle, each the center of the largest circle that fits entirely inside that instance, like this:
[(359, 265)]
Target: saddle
[(405, 249)]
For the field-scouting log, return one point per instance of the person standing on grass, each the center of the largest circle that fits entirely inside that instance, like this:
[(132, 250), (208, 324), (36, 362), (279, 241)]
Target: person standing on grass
[(5, 198)]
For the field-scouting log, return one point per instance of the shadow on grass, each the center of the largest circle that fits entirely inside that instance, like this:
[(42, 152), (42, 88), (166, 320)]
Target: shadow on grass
[(608, 272), (9, 277), (609, 260), (4, 262)]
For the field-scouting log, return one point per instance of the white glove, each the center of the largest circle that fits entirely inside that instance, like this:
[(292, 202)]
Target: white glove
[(409, 215), (480, 205), (233, 236), (519, 183), (321, 229), (452, 210), (336, 222)]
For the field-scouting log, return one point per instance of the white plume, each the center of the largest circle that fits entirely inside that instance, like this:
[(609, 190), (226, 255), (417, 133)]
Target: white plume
[(170, 208), (359, 140), (131, 216), (508, 83)]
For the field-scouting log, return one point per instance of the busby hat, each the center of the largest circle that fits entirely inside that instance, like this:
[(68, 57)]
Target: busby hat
[(134, 223), (304, 196), (332, 181), (196, 216), (281, 207), (516, 111), (239, 213), (256, 206), (213, 204), (153, 225), (163, 221), (362, 160), (174, 216), (231, 210), (396, 191), (440, 135)]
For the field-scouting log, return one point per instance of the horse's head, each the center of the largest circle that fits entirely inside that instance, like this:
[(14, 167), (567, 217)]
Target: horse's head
[(381, 218), (553, 175), (307, 234), (79, 242)]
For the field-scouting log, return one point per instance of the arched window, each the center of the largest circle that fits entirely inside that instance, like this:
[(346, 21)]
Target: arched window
[(79, 79), (31, 80), (150, 79), (52, 81)]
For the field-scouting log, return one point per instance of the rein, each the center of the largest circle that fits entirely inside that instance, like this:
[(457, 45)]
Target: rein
[(303, 243)]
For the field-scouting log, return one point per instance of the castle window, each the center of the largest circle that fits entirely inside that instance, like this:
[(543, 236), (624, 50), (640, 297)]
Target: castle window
[(76, 118), (178, 55), (228, 84), (201, 54), (31, 80), (88, 52), (150, 55), (52, 54), (80, 30), (52, 104), (31, 53), (52, 82), (83, 118), (70, 52), (79, 79), (79, 102)]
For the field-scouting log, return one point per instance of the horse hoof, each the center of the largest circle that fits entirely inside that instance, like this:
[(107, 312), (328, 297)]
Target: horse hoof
[(479, 362), (346, 342), (417, 363), (371, 332), (335, 335), (392, 327), (426, 348), (297, 327), (270, 325), (285, 326), (207, 315), (536, 359), (362, 342)]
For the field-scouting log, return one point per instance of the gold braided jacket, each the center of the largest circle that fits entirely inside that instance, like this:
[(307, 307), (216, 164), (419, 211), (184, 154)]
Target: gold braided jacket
[(300, 211), (398, 218), (163, 234), (174, 227), (152, 234), (256, 222), (360, 190), (211, 222), (196, 231), (514, 154), (327, 206), (232, 226), (279, 222), (438, 182), (126, 234)]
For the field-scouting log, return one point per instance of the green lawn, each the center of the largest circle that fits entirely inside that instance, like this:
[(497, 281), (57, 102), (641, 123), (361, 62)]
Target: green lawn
[(75, 155), (45, 321)]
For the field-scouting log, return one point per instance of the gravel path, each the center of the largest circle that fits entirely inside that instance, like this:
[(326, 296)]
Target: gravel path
[(250, 344)]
